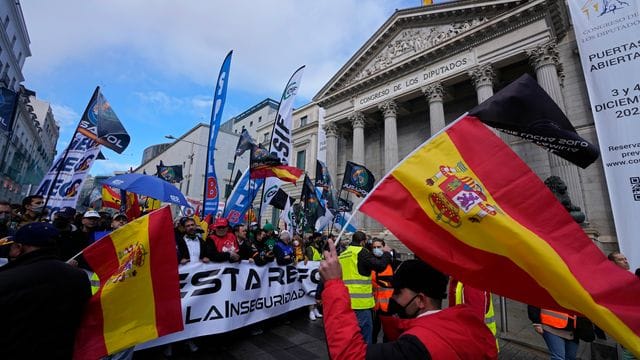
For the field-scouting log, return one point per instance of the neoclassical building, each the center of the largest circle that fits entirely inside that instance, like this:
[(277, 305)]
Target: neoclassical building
[(426, 66)]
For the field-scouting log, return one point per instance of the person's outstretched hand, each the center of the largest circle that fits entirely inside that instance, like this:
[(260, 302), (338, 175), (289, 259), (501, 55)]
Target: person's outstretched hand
[(330, 267)]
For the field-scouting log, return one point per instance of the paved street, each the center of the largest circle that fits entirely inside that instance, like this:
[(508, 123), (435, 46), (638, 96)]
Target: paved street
[(297, 338)]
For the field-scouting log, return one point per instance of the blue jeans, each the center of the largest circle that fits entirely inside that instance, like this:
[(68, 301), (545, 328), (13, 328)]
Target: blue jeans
[(365, 321), (560, 348)]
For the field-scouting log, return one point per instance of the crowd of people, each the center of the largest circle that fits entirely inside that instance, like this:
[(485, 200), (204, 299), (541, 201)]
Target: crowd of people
[(374, 306)]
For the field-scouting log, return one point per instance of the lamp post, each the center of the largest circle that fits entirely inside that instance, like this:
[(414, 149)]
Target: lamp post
[(171, 137)]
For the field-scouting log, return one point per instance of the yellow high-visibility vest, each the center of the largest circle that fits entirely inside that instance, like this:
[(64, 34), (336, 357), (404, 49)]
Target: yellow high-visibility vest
[(360, 289), (489, 316), (316, 254)]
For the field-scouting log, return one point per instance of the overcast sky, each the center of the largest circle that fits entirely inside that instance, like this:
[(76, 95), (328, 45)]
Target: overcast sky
[(157, 60)]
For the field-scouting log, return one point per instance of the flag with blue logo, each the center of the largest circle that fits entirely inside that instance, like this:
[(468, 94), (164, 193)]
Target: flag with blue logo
[(211, 191), (241, 198)]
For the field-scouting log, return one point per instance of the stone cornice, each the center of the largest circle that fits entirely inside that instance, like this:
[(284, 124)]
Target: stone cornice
[(504, 22)]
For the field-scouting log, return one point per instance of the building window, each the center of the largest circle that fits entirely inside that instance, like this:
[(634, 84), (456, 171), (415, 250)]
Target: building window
[(242, 128), (230, 166), (235, 131), (301, 159), (259, 118), (250, 123), (13, 41), (304, 120)]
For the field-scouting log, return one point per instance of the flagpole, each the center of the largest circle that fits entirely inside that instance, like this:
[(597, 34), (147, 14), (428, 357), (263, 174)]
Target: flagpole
[(66, 152), (232, 181)]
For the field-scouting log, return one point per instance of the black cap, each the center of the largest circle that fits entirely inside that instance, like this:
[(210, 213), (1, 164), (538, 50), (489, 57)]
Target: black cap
[(420, 277), (36, 234)]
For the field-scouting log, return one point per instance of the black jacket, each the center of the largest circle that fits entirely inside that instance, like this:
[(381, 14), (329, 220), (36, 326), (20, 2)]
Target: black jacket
[(367, 262), (42, 300)]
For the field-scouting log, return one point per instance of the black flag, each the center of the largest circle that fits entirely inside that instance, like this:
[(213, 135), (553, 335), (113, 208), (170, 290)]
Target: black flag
[(101, 123), (525, 110), (312, 208), (357, 180), (172, 174), (245, 142), (280, 200)]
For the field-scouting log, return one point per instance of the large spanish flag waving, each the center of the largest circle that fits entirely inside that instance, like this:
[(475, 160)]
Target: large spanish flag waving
[(139, 296), (465, 203)]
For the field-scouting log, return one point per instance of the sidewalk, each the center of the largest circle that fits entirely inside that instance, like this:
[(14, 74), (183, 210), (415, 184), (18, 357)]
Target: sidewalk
[(300, 338)]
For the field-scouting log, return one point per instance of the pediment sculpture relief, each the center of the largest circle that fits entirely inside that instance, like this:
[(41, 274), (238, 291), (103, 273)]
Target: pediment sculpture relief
[(411, 41)]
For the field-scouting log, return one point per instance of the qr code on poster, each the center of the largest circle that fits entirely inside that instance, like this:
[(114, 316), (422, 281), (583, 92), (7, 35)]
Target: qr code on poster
[(635, 187)]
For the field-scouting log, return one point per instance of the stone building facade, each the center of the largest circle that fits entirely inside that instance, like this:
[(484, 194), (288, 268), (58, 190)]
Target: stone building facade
[(426, 66)]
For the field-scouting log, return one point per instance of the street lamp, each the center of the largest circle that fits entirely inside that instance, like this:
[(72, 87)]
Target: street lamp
[(171, 137)]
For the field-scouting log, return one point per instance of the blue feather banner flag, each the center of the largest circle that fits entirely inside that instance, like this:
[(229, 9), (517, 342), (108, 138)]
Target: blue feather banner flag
[(211, 189)]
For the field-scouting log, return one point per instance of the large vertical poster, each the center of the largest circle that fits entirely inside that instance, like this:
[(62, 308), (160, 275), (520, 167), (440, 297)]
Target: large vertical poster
[(608, 37)]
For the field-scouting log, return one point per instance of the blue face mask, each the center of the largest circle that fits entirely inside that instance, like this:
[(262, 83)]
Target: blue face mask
[(378, 252)]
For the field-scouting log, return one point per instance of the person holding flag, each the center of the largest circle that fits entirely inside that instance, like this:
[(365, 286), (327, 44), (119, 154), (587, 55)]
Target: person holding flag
[(425, 331)]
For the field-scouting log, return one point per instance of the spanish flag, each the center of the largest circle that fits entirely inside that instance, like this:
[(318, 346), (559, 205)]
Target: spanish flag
[(283, 172), (139, 297), (110, 197), (468, 205)]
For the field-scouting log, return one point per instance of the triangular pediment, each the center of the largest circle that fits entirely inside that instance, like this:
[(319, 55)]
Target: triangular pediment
[(411, 41), (411, 36)]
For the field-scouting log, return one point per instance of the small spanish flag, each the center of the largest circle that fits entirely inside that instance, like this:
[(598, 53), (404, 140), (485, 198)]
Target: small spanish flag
[(110, 197), (139, 296), (465, 203), (283, 172)]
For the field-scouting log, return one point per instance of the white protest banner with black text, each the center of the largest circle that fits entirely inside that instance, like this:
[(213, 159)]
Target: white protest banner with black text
[(608, 37), (220, 297)]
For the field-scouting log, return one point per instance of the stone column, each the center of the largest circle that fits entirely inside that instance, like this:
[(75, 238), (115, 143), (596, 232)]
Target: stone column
[(389, 109), (483, 77), (312, 155), (357, 121), (434, 93), (331, 131), (546, 62)]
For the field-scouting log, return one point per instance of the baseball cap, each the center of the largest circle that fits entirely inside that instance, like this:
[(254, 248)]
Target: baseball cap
[(221, 222), (37, 234), (91, 214), (420, 277)]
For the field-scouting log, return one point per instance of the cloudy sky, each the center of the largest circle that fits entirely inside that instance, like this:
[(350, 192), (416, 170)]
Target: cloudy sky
[(156, 61)]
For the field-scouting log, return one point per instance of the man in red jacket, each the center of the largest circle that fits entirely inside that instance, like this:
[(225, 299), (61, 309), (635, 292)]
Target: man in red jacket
[(427, 332)]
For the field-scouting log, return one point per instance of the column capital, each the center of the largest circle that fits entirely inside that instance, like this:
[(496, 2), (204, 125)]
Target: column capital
[(545, 54), (357, 119), (388, 108), (331, 129), (433, 92), (482, 75)]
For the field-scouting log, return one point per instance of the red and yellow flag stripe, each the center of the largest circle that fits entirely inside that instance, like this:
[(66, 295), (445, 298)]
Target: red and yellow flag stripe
[(139, 297), (485, 218)]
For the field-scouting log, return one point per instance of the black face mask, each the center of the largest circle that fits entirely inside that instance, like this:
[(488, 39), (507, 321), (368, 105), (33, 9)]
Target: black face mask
[(401, 311)]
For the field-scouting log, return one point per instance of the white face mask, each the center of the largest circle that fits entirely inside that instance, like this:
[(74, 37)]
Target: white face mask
[(378, 252)]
